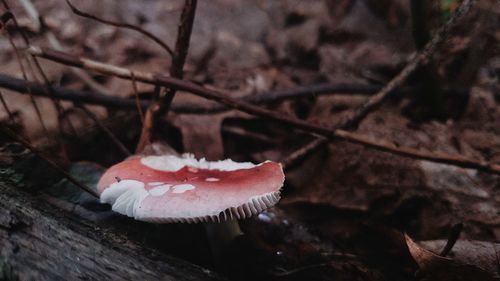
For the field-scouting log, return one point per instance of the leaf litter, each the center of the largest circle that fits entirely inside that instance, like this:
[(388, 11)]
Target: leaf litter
[(344, 207)]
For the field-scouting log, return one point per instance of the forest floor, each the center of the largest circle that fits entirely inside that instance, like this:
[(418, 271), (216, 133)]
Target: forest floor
[(345, 207)]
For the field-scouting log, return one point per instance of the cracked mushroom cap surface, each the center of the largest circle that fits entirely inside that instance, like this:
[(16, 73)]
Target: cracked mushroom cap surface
[(169, 188)]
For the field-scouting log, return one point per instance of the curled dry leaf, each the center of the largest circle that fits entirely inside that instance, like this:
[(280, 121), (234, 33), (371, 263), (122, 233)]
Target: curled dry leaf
[(435, 267), (485, 255)]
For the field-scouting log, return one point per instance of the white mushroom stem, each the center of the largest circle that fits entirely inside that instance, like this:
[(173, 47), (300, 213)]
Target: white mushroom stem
[(220, 235)]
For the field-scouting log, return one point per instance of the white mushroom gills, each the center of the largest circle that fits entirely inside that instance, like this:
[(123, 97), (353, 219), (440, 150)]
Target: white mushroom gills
[(126, 197)]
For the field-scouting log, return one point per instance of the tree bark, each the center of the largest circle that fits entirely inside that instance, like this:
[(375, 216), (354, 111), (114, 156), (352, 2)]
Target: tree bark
[(41, 242)]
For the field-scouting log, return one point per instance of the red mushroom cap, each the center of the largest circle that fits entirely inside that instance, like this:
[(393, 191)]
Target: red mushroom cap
[(167, 189)]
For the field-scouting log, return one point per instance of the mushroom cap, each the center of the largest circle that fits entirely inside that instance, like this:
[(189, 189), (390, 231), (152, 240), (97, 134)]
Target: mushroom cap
[(169, 188)]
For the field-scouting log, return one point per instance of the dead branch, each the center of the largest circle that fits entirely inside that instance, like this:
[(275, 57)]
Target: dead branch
[(161, 107), (137, 99), (146, 33), (89, 97), (421, 58), (166, 81), (56, 103), (105, 129), (15, 137), (376, 100), (25, 76), (181, 51), (452, 239), (6, 108), (82, 75), (37, 89)]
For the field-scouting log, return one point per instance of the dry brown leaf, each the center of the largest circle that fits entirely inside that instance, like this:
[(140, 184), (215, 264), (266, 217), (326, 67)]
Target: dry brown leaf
[(435, 267)]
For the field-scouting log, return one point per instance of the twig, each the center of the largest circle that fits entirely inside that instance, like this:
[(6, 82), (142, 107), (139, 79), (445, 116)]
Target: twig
[(452, 239), (37, 89), (105, 129), (376, 100), (32, 12), (181, 51), (146, 33), (25, 76), (56, 103), (241, 132), (161, 107), (56, 44), (82, 75), (285, 273), (419, 59), (300, 153), (6, 107), (88, 97), (137, 100), (166, 81), (4, 18), (4, 129)]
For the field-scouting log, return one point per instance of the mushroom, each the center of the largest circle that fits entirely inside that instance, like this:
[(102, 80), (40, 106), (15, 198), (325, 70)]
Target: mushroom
[(169, 188)]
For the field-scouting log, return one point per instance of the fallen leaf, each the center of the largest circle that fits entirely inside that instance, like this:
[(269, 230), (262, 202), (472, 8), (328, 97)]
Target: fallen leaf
[(435, 267)]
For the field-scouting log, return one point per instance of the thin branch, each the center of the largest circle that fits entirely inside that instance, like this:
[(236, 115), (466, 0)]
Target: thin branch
[(56, 44), (82, 75), (137, 99), (6, 107), (181, 51), (4, 19), (452, 239), (89, 97), (294, 157), (37, 89), (162, 80), (25, 76), (32, 13), (376, 100), (419, 59), (8, 132), (105, 129), (55, 102), (161, 107), (146, 33)]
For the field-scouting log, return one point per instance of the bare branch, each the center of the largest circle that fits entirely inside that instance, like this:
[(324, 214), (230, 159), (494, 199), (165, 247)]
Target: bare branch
[(146, 33), (25, 76), (8, 132), (162, 80), (181, 51), (37, 89), (57, 105), (420, 58), (162, 106), (105, 129), (86, 97), (6, 107), (376, 100), (137, 100)]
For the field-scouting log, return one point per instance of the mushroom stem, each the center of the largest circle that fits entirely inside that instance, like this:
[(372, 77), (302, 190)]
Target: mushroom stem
[(220, 235)]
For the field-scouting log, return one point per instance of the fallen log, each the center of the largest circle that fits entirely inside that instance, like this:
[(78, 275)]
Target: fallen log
[(38, 241)]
